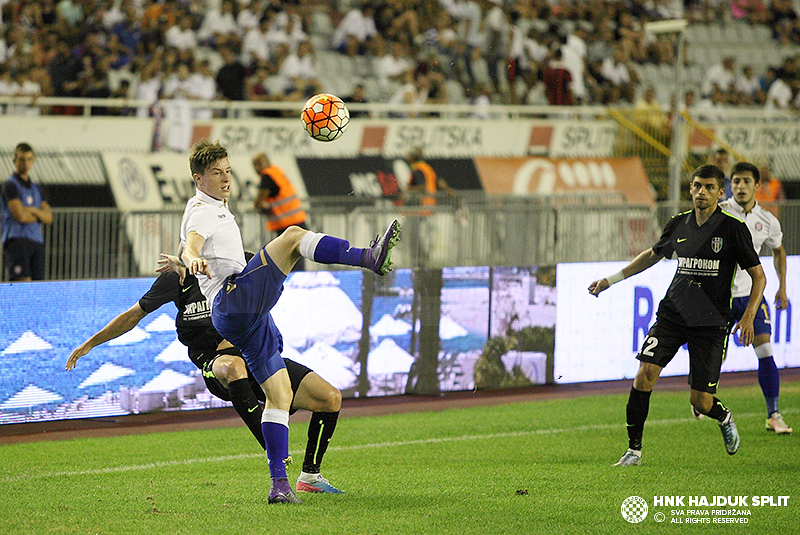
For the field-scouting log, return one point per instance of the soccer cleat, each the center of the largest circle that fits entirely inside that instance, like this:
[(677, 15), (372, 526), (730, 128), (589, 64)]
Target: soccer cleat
[(631, 458), (730, 434), (696, 414), (378, 256), (320, 484), (281, 492), (775, 423)]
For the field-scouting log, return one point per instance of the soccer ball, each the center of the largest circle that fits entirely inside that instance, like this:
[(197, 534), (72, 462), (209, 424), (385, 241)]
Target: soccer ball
[(325, 117)]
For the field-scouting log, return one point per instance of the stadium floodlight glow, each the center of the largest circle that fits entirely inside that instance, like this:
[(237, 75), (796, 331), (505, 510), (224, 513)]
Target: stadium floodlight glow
[(666, 26)]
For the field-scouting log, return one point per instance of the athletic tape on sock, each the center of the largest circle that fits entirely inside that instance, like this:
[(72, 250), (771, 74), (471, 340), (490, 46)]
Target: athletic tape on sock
[(308, 244), (277, 416), (764, 350)]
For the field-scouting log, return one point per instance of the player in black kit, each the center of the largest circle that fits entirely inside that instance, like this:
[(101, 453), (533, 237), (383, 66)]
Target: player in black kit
[(225, 372), (708, 244)]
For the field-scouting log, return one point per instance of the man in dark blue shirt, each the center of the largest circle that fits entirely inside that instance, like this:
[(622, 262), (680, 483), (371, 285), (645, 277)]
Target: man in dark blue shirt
[(23, 209), (709, 244)]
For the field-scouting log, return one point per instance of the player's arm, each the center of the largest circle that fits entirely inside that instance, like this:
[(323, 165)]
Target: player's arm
[(191, 255), (779, 259), (644, 260), (116, 327), (745, 325), (20, 212), (169, 263), (43, 213)]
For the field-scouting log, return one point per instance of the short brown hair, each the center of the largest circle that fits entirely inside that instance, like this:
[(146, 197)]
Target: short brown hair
[(204, 154), (710, 171), (22, 147)]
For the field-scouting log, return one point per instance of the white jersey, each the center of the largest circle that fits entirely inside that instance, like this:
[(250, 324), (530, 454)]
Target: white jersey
[(213, 220), (765, 229)]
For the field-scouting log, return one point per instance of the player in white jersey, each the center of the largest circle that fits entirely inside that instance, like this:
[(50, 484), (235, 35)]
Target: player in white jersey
[(766, 230), (241, 294)]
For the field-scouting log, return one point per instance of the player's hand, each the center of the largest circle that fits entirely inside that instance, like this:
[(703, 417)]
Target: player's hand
[(746, 331), (781, 301), (598, 286), (170, 262), (199, 266), (77, 353)]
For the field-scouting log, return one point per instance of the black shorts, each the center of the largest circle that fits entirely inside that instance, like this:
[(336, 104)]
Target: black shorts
[(707, 346), (297, 373), (24, 258)]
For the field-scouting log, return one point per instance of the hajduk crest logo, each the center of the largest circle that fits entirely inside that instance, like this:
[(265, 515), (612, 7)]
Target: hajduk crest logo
[(634, 509), (716, 244)]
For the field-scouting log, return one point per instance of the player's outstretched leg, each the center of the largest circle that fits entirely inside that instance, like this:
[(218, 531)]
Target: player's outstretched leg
[(330, 250)]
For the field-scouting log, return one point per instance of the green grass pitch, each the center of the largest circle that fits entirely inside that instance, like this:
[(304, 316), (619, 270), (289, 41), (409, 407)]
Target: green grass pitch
[(452, 471)]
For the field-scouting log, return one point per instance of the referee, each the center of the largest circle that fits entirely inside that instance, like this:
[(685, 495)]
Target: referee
[(709, 244)]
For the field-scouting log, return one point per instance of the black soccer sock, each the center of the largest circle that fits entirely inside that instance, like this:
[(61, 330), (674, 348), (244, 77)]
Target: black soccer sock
[(636, 410), (246, 404), (718, 411), (320, 431)]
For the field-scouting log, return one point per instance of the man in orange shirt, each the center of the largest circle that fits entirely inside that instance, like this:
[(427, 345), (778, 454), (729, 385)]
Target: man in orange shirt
[(278, 200), (770, 190)]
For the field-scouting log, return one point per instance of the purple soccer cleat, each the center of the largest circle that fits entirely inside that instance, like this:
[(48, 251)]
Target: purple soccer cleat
[(281, 492), (378, 256)]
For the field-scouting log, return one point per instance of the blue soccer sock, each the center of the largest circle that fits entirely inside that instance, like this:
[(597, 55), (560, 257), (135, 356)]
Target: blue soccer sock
[(275, 427), (329, 250), (769, 380)]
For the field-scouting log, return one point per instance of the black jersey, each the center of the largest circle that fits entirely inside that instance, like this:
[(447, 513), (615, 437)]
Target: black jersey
[(193, 321), (700, 292)]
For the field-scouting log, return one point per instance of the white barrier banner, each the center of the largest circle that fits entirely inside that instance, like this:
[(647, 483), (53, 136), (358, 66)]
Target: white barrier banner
[(597, 338), (145, 182), (397, 137), (83, 133)]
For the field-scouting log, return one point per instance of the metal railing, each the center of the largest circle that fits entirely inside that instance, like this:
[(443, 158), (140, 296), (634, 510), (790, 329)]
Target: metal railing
[(479, 231)]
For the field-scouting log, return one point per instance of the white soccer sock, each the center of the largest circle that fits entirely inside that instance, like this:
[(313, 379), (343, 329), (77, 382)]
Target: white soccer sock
[(308, 244)]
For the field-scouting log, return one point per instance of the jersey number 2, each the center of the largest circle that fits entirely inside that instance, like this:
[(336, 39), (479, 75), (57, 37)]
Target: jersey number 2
[(649, 344)]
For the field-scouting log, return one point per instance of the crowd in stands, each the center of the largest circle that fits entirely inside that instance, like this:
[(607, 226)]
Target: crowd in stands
[(416, 51)]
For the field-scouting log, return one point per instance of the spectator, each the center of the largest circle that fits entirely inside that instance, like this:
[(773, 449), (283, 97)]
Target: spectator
[(779, 96), (557, 82), (255, 47), (219, 27), (182, 36), (231, 77), (299, 73), (573, 50), (389, 68), (358, 96), (748, 87), (721, 75), (203, 87), (752, 11), (722, 159), (355, 31), (497, 36), (620, 80), (249, 16), (652, 115), (23, 209), (148, 87), (258, 90)]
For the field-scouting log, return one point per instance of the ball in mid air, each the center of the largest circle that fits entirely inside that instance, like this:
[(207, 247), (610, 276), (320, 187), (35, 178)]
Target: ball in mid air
[(325, 117)]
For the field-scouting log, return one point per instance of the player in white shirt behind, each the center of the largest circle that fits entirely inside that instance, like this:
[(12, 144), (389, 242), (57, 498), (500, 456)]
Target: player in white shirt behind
[(766, 230), (241, 294)]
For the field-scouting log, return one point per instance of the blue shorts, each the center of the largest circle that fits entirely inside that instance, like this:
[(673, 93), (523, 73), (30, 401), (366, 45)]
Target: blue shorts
[(761, 323), (241, 315)]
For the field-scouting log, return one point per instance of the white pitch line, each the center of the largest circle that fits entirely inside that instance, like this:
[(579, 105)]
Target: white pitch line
[(355, 447)]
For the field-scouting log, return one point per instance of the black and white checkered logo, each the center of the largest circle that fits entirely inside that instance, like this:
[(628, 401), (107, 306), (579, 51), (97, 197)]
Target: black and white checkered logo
[(634, 509)]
